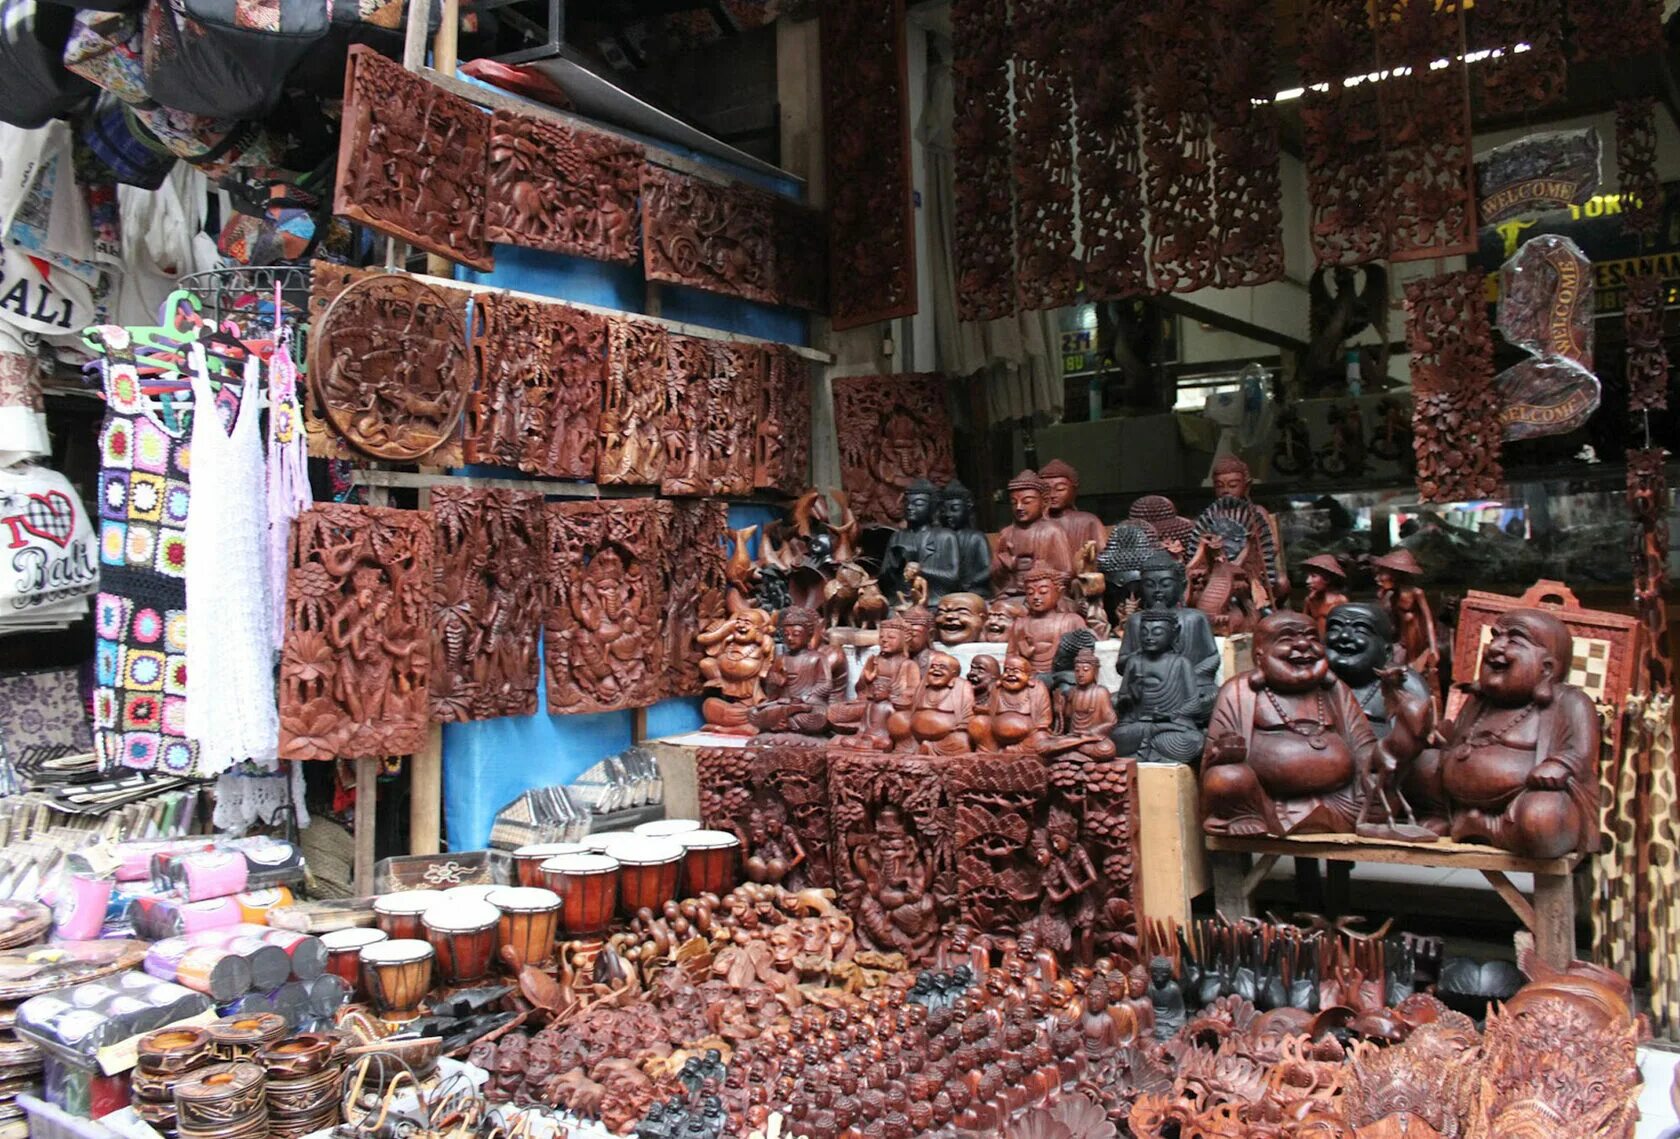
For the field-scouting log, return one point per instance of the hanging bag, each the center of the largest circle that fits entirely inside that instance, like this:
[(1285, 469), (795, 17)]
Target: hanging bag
[(227, 58), (35, 88)]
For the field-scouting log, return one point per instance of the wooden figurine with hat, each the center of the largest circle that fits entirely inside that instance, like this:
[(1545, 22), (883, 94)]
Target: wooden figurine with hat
[(1398, 591), (1326, 580)]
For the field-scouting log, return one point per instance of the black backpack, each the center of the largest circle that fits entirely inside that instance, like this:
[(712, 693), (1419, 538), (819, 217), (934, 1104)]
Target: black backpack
[(35, 88), (227, 58)]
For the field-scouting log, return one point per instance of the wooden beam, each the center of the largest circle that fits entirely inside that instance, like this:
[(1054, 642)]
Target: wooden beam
[(367, 809), (1351, 848), (1514, 898), (378, 478), (1554, 914), (1258, 873)]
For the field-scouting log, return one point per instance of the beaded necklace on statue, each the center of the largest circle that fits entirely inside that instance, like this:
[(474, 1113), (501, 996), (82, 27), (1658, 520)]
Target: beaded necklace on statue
[(1313, 731), (1480, 737)]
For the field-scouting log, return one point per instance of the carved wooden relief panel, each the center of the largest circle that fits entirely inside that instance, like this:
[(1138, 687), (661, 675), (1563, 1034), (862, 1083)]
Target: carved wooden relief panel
[(543, 375), (1455, 408), (389, 366), (356, 663), (1247, 193), (1615, 29), (564, 189), (1177, 147), (1647, 359), (633, 419), (782, 447), (1046, 271), (1647, 496), (774, 795), (984, 217), (1347, 165), (893, 430), (1105, 796), (1518, 81), (732, 402), (602, 640), (866, 128), (1636, 166), (413, 160), (683, 418), (1000, 811), (327, 279), (694, 532), (490, 562), (1111, 229)]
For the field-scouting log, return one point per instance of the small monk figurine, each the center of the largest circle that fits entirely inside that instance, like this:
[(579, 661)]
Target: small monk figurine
[(1032, 540), (805, 678), (937, 721), (1161, 585), (983, 673), (1036, 635), (1326, 580), (1001, 613), (922, 541), (1397, 574), (1231, 479), (887, 684), (919, 619), (1160, 710), (1085, 714), (1080, 526), (1520, 769), (1167, 999), (1019, 715), (739, 651), (974, 551), (959, 618)]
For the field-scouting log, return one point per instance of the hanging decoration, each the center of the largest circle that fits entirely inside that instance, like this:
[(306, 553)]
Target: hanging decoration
[(563, 189), (1177, 145), (893, 431), (1636, 166), (1047, 274), (1509, 82), (1647, 494), (1455, 415), (984, 217), (1110, 162), (1647, 359), (1615, 29), (1546, 309), (1247, 190), (1347, 165)]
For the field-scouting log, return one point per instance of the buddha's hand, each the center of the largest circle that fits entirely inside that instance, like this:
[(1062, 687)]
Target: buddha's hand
[(1230, 748), (1550, 776)]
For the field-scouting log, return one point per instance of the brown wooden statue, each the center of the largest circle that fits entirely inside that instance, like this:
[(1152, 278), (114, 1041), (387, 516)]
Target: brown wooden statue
[(1020, 713), (806, 677), (1231, 479), (739, 650), (1032, 540), (937, 722), (1397, 575), (1084, 714), (1037, 633), (887, 684), (1326, 580), (959, 618), (1080, 526), (1222, 582)]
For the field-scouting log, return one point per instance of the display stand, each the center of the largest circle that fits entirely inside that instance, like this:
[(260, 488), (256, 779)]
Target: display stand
[(1174, 861), (1550, 917)]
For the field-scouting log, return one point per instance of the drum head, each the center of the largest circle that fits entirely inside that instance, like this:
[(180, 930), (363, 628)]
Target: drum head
[(470, 893), (340, 940), (639, 850), (582, 863), (523, 899), (402, 951), (707, 840), (666, 828), (465, 916), (407, 902), (546, 850), (600, 842)]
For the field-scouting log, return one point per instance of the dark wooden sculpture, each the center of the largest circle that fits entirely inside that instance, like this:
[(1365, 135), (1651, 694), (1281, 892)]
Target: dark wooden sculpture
[(1178, 155), (389, 366), (1001, 814), (490, 557), (1615, 29), (1163, 705), (893, 430), (602, 641), (871, 218), (562, 188), (1517, 81), (538, 404), (1111, 204), (1647, 363), (1046, 273), (984, 218), (1359, 643), (1247, 191), (1455, 412), (356, 662), (782, 446), (774, 797), (633, 419), (1161, 585), (692, 537), (413, 160), (1398, 576), (1636, 166), (1347, 166)]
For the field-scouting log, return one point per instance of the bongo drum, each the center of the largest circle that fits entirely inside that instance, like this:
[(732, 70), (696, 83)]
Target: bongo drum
[(396, 975), (588, 887), (710, 862), (598, 843), (399, 914), (344, 952), (530, 919), (666, 828), (651, 868), (528, 860), (470, 893), (463, 935)]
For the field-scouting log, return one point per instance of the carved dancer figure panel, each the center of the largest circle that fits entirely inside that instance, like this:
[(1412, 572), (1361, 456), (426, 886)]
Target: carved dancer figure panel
[(871, 221), (490, 557), (389, 366), (1008, 860), (1517, 81), (893, 430), (1615, 29), (683, 419), (1177, 145), (727, 443), (1105, 795), (774, 797), (984, 218), (695, 586), (782, 446), (1347, 165), (355, 667), (1636, 166), (538, 403), (1455, 412), (564, 189), (633, 418), (1111, 229), (413, 160), (1647, 359), (1046, 271), (1247, 192), (602, 640), (730, 239)]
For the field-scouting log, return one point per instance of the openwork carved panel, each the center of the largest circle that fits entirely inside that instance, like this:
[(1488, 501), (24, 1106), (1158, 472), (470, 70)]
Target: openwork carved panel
[(1347, 165), (893, 430), (774, 796), (543, 374), (355, 667), (1110, 162), (1455, 413), (327, 279), (602, 640), (413, 160), (633, 418), (1647, 359), (1109, 831), (1247, 193), (1177, 145), (684, 420), (984, 218), (866, 127), (1046, 271), (782, 448), (1512, 81), (389, 366), (694, 532), (564, 189), (1636, 166), (1615, 29), (732, 402), (490, 559), (1000, 811)]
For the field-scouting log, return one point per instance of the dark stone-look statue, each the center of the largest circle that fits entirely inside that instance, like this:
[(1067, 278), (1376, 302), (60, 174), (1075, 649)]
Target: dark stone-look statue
[(1359, 642), (922, 541), (974, 552), (1161, 586), (1167, 999), (1159, 706)]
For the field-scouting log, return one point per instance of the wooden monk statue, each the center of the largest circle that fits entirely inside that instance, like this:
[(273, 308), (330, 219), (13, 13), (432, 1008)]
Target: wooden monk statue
[(1037, 634), (1032, 540), (937, 722), (805, 678), (1080, 526), (1161, 709), (886, 685), (1085, 714), (1161, 586), (1019, 714)]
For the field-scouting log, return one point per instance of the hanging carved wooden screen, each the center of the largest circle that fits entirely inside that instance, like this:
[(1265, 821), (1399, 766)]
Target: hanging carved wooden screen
[(866, 130), (413, 160), (564, 189), (893, 430), (355, 666), (1615, 29), (543, 374), (1636, 166), (1177, 145), (1456, 425), (782, 449), (1347, 166), (983, 220), (772, 795), (490, 563), (1111, 229), (684, 423), (602, 642), (1510, 81), (633, 421), (1647, 359), (1046, 270), (732, 403), (693, 536), (1247, 190)]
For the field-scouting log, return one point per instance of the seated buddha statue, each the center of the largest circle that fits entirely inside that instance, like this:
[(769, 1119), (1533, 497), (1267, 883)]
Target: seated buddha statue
[(1020, 712), (1160, 706), (936, 723)]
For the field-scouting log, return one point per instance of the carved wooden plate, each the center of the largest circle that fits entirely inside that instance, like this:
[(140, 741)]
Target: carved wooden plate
[(23, 923), (389, 367)]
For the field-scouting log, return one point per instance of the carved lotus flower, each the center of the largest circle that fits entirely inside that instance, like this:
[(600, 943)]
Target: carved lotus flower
[(1073, 1117)]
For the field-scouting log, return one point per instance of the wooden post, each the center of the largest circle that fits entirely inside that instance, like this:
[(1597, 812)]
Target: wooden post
[(1230, 897), (425, 795), (367, 807), (1554, 918)]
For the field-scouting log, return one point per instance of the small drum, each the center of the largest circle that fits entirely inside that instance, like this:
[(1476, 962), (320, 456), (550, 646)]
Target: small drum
[(530, 919), (588, 887), (711, 861), (396, 975), (598, 843), (344, 952), (528, 860), (652, 869), (460, 894), (399, 914), (463, 934), (666, 828)]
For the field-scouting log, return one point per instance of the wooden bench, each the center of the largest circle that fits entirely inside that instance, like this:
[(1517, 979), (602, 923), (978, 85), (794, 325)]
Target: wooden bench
[(1550, 916)]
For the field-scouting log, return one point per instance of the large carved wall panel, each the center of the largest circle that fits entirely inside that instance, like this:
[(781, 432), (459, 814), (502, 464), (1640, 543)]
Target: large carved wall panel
[(1111, 227), (1046, 271), (984, 217), (413, 160), (1636, 166), (866, 127), (490, 561), (1177, 145), (1000, 812), (1105, 796), (782, 447), (1647, 359), (1518, 81), (1247, 191), (694, 532), (893, 430), (727, 450), (1615, 29), (602, 641), (775, 796), (327, 279), (1455, 409), (1347, 165), (633, 418), (563, 189), (356, 663), (543, 375)]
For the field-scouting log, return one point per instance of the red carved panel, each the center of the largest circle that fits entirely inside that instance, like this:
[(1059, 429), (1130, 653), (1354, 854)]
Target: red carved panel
[(543, 373), (413, 160), (1109, 831), (1636, 166), (688, 371), (1046, 271), (356, 663), (490, 561), (1000, 815), (866, 128), (327, 279), (564, 189), (1347, 165), (1455, 411), (602, 641), (732, 403), (693, 536), (774, 796), (1177, 145), (984, 217), (1247, 191), (633, 418), (782, 449), (1647, 359), (1615, 29), (1647, 493), (893, 430), (1514, 82), (1110, 162)]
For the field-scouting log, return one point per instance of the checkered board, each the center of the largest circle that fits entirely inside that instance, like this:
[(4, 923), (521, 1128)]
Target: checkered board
[(1589, 669)]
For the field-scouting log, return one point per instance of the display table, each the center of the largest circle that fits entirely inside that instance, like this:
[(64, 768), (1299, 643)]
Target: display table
[(1175, 863), (1550, 916)]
